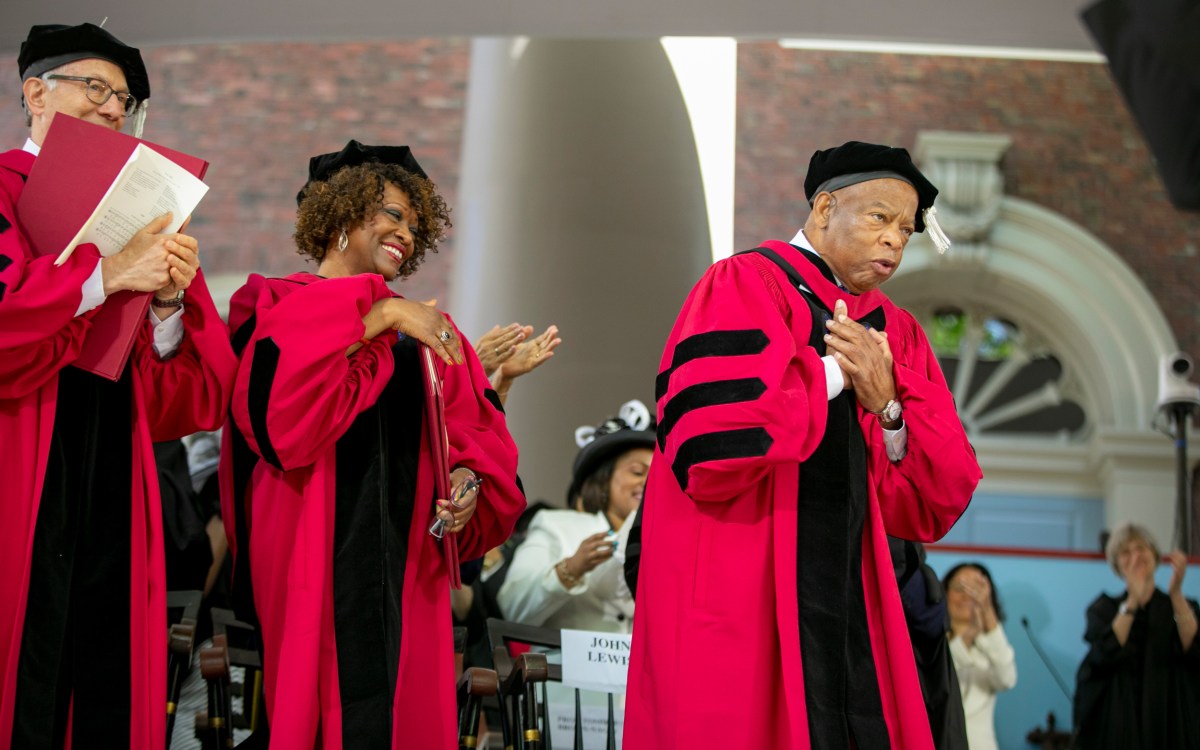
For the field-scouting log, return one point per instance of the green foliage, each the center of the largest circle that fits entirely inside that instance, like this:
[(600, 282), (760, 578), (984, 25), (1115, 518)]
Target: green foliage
[(949, 326), (949, 330)]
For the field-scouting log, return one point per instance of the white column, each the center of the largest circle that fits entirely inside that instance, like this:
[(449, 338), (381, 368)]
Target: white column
[(581, 204)]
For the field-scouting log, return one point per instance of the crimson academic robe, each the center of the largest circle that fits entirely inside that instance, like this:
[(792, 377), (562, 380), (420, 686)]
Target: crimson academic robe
[(189, 391), (742, 403), (351, 592)]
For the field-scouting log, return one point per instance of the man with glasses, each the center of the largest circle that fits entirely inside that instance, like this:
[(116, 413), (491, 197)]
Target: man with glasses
[(99, 91), (82, 591)]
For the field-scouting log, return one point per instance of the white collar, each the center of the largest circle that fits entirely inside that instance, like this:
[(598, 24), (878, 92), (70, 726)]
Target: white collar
[(31, 147), (801, 241)]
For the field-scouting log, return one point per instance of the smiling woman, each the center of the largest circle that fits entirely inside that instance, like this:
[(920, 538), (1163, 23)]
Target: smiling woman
[(1140, 681), (367, 210), (568, 573), (331, 465), (984, 660)]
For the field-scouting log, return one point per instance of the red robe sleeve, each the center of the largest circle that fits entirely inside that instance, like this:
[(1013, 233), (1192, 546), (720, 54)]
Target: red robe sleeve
[(739, 390), (39, 297), (25, 369), (190, 389), (923, 494), (296, 391), (480, 441), (39, 332)]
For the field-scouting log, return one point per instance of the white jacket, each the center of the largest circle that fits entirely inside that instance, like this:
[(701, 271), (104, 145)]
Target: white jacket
[(533, 594), (987, 668)]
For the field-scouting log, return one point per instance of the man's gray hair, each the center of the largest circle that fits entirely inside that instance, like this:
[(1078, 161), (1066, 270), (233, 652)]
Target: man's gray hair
[(1125, 533), (51, 84)]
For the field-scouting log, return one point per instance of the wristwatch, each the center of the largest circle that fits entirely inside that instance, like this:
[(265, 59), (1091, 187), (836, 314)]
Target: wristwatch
[(175, 301), (890, 412), (1125, 610)]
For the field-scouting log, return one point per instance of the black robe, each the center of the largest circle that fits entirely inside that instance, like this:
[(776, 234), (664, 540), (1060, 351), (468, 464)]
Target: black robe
[(1145, 694)]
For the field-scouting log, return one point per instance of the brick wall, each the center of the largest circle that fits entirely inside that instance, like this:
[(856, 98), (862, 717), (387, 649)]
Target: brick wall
[(1076, 149), (258, 111)]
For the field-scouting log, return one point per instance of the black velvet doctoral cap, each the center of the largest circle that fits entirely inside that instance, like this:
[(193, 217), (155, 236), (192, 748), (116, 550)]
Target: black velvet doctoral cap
[(322, 167), (855, 162), (51, 45)]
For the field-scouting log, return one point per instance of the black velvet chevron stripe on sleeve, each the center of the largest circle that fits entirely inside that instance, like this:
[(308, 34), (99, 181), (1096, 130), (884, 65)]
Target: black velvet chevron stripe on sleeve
[(5, 224), (262, 379), (493, 399), (5, 261), (710, 344), (244, 333), (717, 446), (707, 394)]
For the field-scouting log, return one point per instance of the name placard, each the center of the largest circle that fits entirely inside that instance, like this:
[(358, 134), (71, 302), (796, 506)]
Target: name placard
[(595, 661)]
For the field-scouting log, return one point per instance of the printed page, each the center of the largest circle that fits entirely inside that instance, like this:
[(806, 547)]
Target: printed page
[(147, 187)]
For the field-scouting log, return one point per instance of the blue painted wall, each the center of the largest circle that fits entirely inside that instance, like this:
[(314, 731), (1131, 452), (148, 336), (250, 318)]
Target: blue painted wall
[(1067, 523), (1054, 594)]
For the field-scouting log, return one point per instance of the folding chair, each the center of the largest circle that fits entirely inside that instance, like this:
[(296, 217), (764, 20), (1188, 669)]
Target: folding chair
[(475, 684), (183, 610), (502, 635), (519, 705), (235, 644)]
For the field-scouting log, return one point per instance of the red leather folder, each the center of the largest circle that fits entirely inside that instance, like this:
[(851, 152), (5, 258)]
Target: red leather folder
[(77, 164), (439, 447)]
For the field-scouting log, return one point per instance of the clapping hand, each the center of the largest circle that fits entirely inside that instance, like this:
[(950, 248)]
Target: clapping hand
[(526, 355), (531, 354), (499, 344), (1178, 562), (979, 590)]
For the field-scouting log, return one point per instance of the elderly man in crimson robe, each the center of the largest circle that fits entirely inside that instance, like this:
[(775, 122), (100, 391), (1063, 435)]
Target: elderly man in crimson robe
[(802, 418), (82, 591)]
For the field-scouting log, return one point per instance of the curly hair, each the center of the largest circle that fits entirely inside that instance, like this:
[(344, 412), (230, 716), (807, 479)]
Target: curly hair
[(353, 194)]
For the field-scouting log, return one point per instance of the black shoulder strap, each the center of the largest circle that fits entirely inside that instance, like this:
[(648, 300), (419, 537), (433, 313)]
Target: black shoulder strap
[(778, 260), (817, 310)]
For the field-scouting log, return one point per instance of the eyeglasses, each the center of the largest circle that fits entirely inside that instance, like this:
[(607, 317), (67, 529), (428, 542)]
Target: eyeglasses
[(98, 91)]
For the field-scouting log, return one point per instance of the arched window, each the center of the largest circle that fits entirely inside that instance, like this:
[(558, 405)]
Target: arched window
[(1003, 384)]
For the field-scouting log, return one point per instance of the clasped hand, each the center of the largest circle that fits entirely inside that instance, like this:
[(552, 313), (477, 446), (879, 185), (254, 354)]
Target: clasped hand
[(864, 357), (153, 262)]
